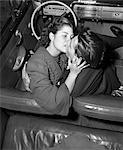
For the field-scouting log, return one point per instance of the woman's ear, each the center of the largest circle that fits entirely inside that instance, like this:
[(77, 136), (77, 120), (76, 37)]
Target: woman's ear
[(51, 36)]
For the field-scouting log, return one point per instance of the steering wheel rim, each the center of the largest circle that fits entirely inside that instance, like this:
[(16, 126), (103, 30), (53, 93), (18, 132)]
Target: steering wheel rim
[(45, 3)]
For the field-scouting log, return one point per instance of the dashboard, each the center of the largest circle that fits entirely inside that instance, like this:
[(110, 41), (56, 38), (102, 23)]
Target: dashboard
[(98, 11), (88, 10)]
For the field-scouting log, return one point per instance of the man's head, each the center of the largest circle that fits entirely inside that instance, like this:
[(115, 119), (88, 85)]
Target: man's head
[(91, 48)]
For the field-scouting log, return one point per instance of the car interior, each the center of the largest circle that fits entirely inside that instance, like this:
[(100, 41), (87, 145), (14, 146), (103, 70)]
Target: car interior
[(97, 121)]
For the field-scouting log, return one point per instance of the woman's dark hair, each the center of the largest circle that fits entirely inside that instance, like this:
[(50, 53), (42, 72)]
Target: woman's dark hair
[(53, 26), (91, 48), (58, 23)]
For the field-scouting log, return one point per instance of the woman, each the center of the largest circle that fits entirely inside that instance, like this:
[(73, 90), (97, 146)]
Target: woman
[(46, 67)]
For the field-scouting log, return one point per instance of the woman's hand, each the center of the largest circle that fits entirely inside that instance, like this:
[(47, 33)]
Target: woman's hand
[(75, 65), (71, 50)]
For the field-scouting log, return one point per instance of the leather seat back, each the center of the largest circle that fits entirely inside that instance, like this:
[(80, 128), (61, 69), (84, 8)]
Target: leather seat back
[(34, 133)]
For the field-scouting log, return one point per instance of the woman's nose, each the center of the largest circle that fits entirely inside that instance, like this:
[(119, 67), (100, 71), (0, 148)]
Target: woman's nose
[(68, 40)]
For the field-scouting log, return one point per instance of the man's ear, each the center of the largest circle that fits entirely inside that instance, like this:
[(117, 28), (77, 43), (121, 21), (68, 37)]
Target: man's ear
[(51, 36)]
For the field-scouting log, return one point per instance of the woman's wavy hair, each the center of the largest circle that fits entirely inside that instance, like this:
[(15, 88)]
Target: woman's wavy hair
[(53, 26), (90, 47)]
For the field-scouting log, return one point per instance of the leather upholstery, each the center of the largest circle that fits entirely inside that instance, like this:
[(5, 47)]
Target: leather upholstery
[(102, 111), (101, 106), (14, 99), (34, 133)]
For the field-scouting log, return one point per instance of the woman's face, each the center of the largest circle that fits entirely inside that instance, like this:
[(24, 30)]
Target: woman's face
[(71, 51), (62, 38)]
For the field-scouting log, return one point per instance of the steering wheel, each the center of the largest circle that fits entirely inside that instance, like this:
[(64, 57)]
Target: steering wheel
[(43, 5)]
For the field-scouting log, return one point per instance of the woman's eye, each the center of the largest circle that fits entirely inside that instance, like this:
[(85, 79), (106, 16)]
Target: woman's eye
[(65, 36)]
